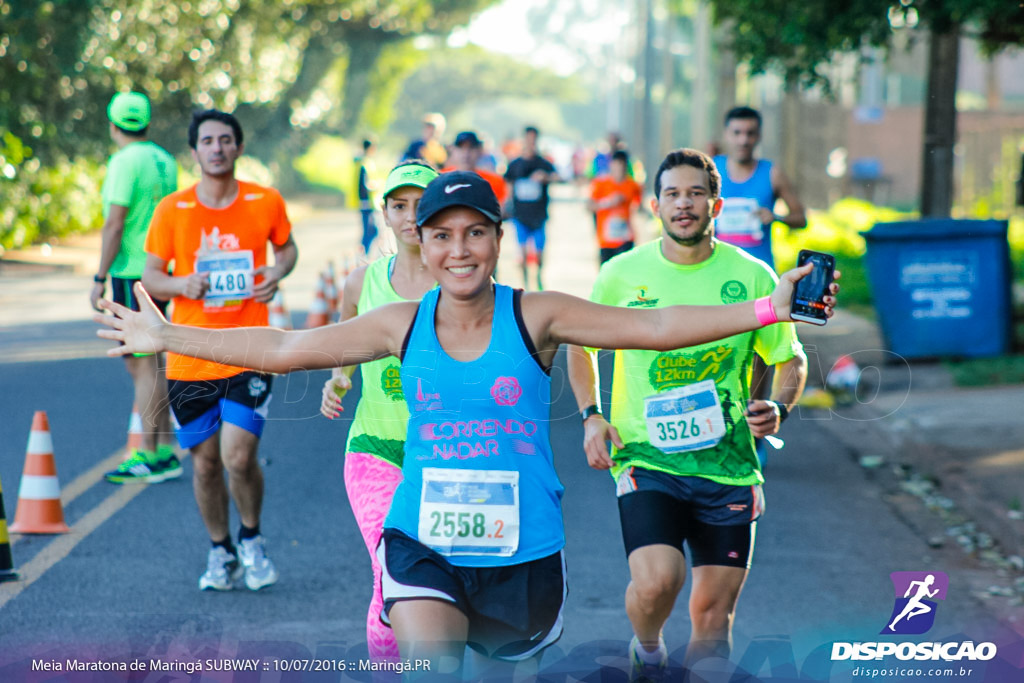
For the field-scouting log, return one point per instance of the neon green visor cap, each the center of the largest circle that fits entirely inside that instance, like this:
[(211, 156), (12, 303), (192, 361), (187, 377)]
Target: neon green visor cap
[(408, 175), (129, 110)]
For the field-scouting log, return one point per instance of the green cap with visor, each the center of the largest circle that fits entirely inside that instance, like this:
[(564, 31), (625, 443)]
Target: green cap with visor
[(408, 175), (129, 111)]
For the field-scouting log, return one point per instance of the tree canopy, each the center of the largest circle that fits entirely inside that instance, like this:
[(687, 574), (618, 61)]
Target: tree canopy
[(280, 65), (800, 39)]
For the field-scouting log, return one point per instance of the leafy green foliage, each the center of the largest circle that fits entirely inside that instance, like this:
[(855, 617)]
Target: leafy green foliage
[(60, 61), (40, 201), (800, 38), (289, 69)]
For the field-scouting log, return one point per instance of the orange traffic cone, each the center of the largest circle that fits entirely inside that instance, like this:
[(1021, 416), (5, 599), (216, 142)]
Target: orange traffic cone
[(318, 313), (7, 572), (279, 316), (330, 287), (39, 510), (134, 433)]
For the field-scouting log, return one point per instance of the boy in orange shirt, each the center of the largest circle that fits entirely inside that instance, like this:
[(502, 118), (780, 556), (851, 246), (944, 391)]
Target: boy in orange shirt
[(614, 198), (216, 234)]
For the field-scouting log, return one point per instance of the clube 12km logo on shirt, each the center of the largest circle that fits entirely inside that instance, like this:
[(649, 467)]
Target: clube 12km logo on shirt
[(913, 613)]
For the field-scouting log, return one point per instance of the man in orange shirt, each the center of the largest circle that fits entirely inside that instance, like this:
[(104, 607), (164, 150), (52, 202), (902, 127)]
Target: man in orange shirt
[(614, 198), (465, 156), (216, 234)]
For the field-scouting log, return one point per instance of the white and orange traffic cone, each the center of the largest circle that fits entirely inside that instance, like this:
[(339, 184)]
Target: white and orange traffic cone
[(319, 315), (39, 509), (134, 433), (330, 287), (279, 316)]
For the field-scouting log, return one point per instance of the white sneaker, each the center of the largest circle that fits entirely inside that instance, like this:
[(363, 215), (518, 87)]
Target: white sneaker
[(259, 570), (222, 570)]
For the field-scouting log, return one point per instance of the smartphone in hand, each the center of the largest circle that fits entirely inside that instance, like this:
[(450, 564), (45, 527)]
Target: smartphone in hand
[(809, 294)]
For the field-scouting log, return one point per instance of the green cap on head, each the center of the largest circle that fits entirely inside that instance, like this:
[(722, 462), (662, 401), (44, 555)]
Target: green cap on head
[(129, 110), (408, 175)]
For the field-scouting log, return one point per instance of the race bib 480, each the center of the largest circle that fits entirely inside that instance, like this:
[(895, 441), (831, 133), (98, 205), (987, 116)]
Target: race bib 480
[(231, 278)]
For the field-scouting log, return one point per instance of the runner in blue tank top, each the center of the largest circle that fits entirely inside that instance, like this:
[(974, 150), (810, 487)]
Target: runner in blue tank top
[(750, 187), (472, 549)]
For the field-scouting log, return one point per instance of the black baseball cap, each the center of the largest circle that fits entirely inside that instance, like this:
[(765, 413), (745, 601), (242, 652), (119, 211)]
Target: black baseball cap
[(458, 188), (468, 137)]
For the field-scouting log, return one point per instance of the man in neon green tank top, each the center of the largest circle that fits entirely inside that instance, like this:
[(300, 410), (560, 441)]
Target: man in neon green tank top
[(681, 426)]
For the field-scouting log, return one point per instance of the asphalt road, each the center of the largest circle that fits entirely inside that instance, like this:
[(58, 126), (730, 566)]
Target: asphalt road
[(122, 585)]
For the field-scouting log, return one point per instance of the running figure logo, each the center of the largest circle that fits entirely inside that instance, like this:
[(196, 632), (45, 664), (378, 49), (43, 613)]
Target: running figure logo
[(914, 611)]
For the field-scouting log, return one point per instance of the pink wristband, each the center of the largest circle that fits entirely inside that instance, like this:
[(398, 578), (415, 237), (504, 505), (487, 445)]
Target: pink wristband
[(764, 311)]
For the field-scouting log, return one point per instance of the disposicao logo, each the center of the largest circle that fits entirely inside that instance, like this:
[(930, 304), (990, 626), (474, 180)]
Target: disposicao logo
[(916, 593), (913, 613)]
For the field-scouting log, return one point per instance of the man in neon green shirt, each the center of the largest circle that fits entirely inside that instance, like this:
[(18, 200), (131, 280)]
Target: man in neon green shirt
[(681, 426), (139, 174)]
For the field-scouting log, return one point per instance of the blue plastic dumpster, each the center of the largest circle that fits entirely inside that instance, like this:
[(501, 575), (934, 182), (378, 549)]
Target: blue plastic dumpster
[(942, 287)]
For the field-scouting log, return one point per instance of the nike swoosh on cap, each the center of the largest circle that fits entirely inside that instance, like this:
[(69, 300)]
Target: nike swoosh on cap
[(448, 189)]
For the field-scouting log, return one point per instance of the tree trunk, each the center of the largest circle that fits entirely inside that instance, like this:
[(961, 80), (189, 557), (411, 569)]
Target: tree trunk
[(940, 123), (362, 57)]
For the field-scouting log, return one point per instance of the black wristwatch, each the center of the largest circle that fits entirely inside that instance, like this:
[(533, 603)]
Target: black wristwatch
[(100, 280), (590, 411), (783, 411)]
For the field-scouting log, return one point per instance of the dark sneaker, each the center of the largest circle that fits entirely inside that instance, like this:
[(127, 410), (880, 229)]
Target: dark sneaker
[(222, 570), (136, 469), (641, 671), (259, 570)]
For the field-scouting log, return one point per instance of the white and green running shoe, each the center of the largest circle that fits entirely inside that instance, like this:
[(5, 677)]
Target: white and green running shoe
[(260, 572), (642, 671), (136, 469), (222, 570)]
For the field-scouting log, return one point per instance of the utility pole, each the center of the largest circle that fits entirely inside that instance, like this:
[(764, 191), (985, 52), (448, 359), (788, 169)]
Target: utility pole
[(666, 140), (650, 148), (700, 99), (643, 140)]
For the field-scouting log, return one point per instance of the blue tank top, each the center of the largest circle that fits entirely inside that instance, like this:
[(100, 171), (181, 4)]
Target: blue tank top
[(479, 483), (735, 224)]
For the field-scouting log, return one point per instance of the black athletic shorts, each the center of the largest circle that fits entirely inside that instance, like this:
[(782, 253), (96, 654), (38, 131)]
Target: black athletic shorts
[(514, 612), (608, 253), (123, 292), (200, 407), (717, 522)]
